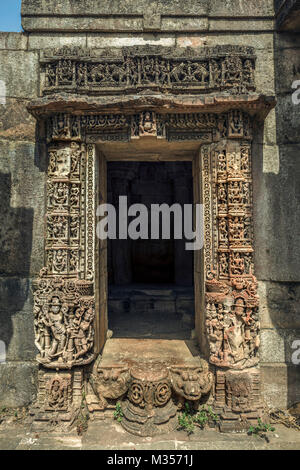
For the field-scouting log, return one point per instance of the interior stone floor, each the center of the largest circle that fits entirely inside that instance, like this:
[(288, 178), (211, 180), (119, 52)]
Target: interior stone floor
[(151, 311)]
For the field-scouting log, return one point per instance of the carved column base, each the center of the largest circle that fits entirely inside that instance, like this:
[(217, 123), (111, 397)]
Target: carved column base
[(149, 410), (59, 398), (150, 396), (237, 399)]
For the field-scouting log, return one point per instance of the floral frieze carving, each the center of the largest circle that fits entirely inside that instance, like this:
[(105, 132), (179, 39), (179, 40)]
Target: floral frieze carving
[(183, 70)]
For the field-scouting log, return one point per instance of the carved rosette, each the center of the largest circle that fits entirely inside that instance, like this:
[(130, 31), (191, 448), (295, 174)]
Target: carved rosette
[(150, 388)]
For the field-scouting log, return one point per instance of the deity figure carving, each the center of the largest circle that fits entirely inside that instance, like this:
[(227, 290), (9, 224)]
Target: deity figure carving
[(64, 321), (147, 124)]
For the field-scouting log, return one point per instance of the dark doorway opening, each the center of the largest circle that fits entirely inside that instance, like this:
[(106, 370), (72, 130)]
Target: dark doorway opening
[(150, 281)]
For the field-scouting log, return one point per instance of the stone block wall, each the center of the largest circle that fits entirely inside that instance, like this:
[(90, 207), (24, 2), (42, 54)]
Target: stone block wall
[(276, 162)]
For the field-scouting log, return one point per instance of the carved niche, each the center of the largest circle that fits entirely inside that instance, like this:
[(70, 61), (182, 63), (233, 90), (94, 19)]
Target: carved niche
[(59, 397), (237, 398), (114, 70)]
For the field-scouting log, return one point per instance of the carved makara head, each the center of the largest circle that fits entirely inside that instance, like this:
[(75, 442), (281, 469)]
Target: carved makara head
[(191, 383)]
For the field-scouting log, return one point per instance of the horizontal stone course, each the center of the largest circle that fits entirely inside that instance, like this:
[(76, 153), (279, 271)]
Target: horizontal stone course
[(229, 8), (280, 385), (276, 216), (279, 305)]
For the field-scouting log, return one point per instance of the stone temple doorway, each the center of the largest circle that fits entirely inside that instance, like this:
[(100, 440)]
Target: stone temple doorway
[(148, 104), (150, 282)]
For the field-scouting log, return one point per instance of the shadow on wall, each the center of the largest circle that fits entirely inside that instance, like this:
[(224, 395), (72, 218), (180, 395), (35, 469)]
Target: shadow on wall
[(15, 250), (277, 228), (284, 301)]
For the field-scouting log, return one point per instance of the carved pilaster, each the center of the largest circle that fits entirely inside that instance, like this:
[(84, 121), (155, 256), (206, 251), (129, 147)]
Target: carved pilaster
[(64, 304)]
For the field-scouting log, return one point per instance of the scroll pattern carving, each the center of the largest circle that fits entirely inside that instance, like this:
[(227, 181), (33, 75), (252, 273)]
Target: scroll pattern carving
[(178, 70)]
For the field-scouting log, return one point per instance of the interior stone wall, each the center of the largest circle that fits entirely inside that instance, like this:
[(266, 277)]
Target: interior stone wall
[(276, 164)]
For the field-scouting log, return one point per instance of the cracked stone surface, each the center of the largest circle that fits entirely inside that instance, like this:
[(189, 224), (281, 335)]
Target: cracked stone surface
[(109, 435)]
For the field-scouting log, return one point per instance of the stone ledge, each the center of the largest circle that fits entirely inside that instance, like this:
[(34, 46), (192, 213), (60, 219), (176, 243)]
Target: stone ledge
[(167, 15), (255, 105)]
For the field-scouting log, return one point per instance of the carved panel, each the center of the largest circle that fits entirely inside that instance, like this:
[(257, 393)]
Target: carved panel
[(59, 397), (174, 69), (64, 313), (238, 392)]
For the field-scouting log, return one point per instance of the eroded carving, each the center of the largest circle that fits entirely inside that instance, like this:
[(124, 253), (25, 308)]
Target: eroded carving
[(64, 322), (190, 383), (109, 383), (172, 69)]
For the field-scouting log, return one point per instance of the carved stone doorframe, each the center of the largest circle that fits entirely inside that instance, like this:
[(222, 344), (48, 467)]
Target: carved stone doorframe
[(69, 329)]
